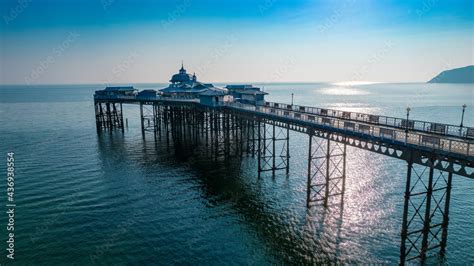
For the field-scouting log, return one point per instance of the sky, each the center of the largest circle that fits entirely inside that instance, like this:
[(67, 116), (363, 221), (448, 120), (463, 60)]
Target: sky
[(145, 41)]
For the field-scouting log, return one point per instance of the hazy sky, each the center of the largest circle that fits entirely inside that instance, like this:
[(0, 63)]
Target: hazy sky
[(144, 41)]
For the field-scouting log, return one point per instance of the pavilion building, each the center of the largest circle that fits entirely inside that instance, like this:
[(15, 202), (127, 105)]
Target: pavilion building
[(184, 85)]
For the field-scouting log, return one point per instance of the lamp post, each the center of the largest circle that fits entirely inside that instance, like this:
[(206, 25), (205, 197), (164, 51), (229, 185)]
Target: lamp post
[(292, 101), (462, 117), (407, 123)]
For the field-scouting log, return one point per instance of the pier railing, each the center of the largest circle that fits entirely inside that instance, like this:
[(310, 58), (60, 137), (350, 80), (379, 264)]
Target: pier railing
[(418, 125), (396, 135)]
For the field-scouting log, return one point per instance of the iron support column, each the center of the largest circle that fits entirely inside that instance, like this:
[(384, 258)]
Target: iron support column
[(121, 117), (287, 149), (426, 225), (328, 155), (273, 151), (405, 212), (142, 119), (259, 151), (308, 182), (444, 236), (326, 169)]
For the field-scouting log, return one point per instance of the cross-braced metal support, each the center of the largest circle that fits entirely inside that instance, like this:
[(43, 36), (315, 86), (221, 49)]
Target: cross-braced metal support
[(252, 137), (108, 115), (158, 118), (273, 148), (231, 132), (326, 170), (426, 211), (218, 134), (148, 118)]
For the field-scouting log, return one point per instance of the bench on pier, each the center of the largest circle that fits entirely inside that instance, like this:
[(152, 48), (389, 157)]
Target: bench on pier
[(346, 115), (470, 132), (387, 133), (434, 141), (437, 128), (364, 128), (349, 125), (407, 124), (374, 119), (326, 121)]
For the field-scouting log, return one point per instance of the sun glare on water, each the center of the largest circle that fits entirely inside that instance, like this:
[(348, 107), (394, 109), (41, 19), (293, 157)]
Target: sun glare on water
[(344, 88), (341, 90)]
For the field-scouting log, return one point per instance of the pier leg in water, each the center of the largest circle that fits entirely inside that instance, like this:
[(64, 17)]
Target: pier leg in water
[(121, 118), (99, 116), (326, 169), (157, 119), (287, 149), (220, 134), (252, 137), (227, 130), (274, 148), (426, 210), (148, 118), (142, 120), (108, 115), (259, 151)]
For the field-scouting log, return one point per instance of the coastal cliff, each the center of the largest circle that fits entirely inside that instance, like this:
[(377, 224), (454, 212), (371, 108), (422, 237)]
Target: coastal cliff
[(457, 75)]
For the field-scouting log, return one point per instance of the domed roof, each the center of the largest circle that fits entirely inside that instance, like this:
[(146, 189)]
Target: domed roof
[(182, 76)]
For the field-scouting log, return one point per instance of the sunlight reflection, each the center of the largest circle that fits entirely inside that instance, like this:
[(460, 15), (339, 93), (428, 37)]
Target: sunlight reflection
[(342, 91), (334, 228), (355, 108)]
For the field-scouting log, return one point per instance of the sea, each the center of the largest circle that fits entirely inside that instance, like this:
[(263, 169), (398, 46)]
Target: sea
[(86, 198)]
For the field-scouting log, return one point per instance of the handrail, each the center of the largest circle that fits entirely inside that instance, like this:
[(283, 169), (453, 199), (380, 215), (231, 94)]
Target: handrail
[(424, 126), (462, 147)]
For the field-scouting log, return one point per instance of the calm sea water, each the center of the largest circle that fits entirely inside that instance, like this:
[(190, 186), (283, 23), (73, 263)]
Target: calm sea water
[(117, 198)]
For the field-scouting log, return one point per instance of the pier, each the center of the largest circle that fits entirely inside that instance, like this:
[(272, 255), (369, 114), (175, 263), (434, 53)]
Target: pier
[(230, 129)]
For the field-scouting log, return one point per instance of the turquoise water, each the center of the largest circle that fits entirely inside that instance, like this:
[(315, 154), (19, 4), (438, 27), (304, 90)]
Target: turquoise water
[(118, 198)]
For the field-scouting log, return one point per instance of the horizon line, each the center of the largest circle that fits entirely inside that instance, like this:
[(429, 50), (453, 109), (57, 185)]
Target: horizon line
[(231, 82)]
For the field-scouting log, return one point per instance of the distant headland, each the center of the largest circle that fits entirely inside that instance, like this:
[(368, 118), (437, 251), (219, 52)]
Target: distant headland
[(456, 75)]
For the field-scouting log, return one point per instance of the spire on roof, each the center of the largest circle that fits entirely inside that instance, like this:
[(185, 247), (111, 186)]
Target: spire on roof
[(182, 70)]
